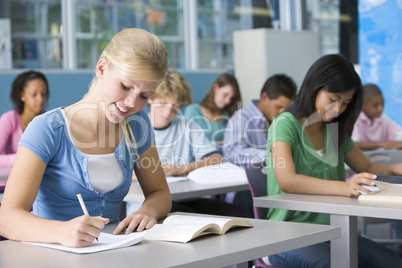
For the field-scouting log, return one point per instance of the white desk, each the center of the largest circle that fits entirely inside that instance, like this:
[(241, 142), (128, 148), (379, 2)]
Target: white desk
[(236, 246), (343, 212), (187, 189), (182, 189)]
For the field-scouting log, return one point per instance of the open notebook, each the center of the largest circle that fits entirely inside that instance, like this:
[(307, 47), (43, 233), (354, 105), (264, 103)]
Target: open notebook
[(214, 174), (106, 242), (220, 173)]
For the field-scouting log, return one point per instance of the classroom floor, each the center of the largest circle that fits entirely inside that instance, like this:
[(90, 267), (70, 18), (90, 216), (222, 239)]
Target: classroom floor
[(383, 231)]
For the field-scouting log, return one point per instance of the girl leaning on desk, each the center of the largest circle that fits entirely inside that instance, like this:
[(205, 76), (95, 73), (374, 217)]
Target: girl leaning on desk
[(91, 147), (308, 145)]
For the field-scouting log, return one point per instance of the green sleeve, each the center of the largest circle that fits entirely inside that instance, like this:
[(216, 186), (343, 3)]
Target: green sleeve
[(347, 145), (282, 129)]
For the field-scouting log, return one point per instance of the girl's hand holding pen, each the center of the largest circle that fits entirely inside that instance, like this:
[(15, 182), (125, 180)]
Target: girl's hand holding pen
[(355, 184), (81, 231)]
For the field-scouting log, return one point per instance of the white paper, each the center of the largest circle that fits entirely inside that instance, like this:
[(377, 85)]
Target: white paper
[(106, 242), (171, 179), (370, 188), (217, 174)]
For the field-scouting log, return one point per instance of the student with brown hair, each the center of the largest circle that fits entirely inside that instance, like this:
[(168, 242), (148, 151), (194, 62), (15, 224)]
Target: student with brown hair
[(213, 112)]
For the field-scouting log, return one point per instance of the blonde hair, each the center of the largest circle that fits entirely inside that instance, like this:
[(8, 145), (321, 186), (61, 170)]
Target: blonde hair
[(137, 55), (174, 86)]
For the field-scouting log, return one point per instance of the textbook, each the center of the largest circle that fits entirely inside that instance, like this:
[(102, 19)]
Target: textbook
[(387, 192), (183, 228), (105, 242)]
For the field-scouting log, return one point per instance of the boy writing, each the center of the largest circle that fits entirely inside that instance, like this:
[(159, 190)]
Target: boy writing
[(245, 139), (181, 143)]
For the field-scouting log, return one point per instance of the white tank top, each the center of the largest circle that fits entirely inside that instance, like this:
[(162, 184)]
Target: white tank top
[(105, 171)]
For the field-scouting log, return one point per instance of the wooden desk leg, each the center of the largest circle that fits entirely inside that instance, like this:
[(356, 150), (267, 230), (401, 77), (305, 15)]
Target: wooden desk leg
[(344, 249)]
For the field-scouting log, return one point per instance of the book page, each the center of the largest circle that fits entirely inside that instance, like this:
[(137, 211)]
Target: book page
[(223, 223), (106, 242), (181, 219), (387, 192), (179, 232), (171, 179), (220, 173), (389, 187), (390, 197)]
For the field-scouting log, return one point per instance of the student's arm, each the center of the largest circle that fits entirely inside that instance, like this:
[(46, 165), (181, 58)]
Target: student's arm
[(372, 145), (291, 182), (180, 170), (157, 202), (358, 162), (17, 223), (237, 147)]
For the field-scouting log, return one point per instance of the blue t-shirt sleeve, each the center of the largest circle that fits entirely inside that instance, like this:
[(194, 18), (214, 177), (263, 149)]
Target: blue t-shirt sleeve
[(40, 138), (142, 129), (200, 145)]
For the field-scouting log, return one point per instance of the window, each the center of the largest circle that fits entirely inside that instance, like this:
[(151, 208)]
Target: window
[(97, 21), (69, 34), (36, 33)]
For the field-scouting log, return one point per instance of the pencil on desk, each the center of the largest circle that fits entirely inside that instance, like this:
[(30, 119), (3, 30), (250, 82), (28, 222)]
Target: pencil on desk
[(84, 208)]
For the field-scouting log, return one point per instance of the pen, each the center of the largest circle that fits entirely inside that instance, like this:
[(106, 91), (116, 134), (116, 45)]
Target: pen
[(84, 208)]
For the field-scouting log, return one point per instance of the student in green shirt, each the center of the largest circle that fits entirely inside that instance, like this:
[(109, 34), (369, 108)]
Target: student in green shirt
[(307, 148)]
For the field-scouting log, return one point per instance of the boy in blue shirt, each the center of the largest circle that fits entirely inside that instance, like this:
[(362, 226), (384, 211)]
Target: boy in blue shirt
[(182, 145)]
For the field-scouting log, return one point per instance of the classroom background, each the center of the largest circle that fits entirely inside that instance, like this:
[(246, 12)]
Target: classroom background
[(61, 38)]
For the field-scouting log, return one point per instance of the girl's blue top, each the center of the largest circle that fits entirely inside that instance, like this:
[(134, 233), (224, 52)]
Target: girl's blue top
[(66, 171)]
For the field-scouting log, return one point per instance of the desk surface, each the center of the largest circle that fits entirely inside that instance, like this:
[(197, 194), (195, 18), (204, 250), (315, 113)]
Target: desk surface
[(182, 189), (236, 246), (343, 212), (188, 189), (341, 205)]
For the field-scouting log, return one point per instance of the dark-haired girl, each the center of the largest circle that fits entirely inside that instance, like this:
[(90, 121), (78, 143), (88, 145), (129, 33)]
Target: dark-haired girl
[(29, 94), (307, 147)]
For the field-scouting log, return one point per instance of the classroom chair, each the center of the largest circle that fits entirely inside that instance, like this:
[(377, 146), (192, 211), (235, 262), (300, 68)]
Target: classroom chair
[(387, 157), (257, 182)]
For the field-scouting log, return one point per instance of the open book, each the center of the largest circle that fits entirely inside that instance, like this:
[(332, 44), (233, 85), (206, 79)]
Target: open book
[(389, 190), (183, 228), (106, 242)]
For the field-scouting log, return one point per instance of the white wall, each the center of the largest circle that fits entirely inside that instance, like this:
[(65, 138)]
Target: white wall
[(261, 53)]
